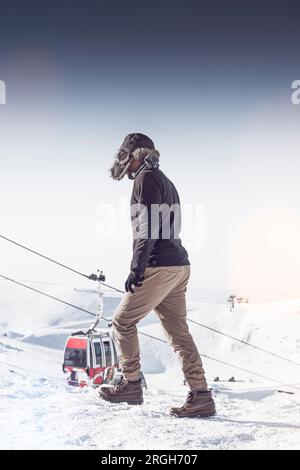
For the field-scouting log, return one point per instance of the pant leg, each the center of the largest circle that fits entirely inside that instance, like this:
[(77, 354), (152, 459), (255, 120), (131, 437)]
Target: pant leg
[(172, 315), (157, 284)]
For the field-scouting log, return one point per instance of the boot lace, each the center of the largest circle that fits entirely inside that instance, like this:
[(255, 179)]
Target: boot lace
[(121, 385), (189, 399)]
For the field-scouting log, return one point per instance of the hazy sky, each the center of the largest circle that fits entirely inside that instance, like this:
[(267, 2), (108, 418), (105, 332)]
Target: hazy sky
[(209, 83)]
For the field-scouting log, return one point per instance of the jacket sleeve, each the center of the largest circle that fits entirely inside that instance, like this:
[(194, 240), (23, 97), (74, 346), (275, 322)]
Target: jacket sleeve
[(147, 192)]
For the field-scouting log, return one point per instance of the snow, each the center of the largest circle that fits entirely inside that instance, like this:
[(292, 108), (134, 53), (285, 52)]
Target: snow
[(38, 410)]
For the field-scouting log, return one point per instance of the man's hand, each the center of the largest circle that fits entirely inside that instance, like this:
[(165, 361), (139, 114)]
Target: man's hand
[(133, 280)]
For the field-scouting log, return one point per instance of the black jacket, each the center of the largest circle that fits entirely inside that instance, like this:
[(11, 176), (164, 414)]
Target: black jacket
[(152, 198)]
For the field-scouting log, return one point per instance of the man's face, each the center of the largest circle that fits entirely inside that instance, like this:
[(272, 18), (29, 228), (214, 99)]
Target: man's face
[(122, 165), (135, 164)]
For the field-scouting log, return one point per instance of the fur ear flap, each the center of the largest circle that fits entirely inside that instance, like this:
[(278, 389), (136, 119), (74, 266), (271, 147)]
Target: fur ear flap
[(142, 152)]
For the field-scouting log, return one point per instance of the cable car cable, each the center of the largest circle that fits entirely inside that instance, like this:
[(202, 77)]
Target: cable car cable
[(57, 262), (230, 365), (50, 296), (244, 342), (44, 256), (147, 335), (94, 277)]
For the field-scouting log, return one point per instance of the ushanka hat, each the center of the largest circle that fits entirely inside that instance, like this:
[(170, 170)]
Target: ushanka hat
[(136, 146)]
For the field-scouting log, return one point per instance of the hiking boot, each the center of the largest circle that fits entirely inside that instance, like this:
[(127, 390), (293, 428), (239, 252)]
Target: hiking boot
[(198, 404), (125, 391)]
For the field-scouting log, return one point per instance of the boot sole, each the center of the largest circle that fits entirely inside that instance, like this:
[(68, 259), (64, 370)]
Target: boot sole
[(129, 402), (201, 414)]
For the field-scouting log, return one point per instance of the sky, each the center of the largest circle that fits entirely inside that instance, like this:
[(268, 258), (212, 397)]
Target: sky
[(209, 82)]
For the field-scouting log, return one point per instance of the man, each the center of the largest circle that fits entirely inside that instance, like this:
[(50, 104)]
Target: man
[(158, 277)]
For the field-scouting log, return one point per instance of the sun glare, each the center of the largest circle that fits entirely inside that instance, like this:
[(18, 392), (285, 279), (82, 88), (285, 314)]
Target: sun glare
[(265, 257)]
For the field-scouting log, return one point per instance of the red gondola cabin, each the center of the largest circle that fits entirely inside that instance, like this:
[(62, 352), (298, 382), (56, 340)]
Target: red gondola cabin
[(90, 359)]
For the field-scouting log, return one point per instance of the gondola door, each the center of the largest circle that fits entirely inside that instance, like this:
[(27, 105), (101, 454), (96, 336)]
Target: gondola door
[(98, 361), (111, 360)]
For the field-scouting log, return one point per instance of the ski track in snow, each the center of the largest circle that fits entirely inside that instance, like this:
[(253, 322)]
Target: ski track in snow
[(43, 413)]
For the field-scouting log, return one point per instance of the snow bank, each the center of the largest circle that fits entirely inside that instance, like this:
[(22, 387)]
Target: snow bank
[(39, 412)]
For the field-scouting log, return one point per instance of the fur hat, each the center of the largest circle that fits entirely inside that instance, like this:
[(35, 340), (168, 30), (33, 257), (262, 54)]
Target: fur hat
[(135, 146)]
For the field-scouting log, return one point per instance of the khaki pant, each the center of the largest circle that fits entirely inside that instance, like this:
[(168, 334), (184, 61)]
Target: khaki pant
[(163, 291)]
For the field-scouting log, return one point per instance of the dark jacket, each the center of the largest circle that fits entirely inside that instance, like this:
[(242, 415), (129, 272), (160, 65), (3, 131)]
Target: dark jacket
[(163, 247)]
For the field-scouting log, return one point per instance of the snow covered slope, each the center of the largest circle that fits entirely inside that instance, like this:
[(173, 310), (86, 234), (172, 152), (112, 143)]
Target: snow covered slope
[(38, 411)]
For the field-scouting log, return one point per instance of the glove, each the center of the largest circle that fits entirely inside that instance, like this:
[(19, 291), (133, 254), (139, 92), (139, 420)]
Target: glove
[(133, 280)]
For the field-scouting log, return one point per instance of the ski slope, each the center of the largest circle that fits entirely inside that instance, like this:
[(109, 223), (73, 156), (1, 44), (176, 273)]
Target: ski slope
[(38, 411)]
